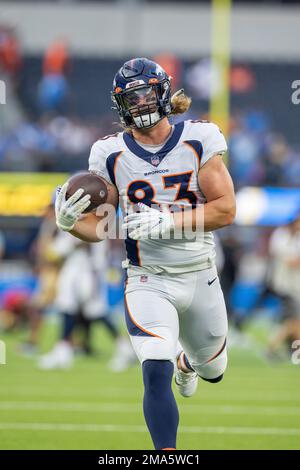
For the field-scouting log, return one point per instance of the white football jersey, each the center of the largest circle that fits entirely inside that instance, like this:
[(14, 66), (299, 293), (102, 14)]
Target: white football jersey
[(168, 176)]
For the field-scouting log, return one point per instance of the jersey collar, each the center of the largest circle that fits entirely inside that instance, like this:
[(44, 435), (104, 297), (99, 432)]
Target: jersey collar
[(154, 158)]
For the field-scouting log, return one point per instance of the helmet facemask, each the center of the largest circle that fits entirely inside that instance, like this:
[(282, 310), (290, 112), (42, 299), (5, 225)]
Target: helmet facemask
[(143, 106)]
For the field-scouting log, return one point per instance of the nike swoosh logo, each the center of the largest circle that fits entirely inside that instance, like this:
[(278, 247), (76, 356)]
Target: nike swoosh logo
[(210, 282)]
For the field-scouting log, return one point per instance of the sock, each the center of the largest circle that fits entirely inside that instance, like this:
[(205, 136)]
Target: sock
[(160, 408), (185, 366), (68, 326)]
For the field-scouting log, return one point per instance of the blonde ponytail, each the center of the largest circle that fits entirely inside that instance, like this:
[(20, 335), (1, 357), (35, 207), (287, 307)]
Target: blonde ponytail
[(180, 102)]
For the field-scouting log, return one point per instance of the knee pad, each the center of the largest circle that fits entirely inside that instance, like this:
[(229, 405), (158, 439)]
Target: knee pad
[(157, 349), (213, 370), (151, 348)]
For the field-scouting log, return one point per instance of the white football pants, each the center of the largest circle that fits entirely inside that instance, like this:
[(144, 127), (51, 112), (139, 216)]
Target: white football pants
[(168, 313)]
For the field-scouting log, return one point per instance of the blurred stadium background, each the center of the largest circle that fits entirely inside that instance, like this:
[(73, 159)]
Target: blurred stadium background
[(57, 60)]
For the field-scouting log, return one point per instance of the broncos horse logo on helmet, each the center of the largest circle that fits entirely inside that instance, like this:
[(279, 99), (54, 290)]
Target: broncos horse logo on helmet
[(141, 93)]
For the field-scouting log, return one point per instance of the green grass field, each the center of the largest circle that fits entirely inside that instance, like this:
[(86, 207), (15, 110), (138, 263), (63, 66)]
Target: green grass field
[(257, 406)]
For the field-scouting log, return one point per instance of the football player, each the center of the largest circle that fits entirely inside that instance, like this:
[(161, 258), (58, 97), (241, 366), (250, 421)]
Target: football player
[(80, 294), (175, 310)]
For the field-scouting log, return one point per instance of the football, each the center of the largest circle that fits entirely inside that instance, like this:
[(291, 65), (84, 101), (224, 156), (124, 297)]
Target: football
[(92, 184)]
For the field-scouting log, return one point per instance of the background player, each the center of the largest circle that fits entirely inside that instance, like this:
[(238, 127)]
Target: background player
[(283, 281), (80, 298), (172, 291)]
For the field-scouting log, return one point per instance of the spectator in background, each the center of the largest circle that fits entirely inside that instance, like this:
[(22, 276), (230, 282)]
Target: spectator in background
[(291, 171), (284, 280), (246, 146), (10, 57), (54, 88), (172, 65), (10, 64), (275, 160), (53, 93), (56, 59), (47, 268), (2, 245)]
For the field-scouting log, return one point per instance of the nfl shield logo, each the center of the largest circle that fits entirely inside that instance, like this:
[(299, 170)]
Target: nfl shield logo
[(155, 160), (144, 278)]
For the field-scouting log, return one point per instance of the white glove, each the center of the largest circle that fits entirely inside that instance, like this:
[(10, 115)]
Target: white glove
[(149, 223), (67, 212)]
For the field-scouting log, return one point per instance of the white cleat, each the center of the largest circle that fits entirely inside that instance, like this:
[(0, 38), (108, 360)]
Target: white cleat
[(186, 382), (61, 357)]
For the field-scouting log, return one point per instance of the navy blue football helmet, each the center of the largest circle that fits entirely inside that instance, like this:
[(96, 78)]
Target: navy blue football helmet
[(141, 93)]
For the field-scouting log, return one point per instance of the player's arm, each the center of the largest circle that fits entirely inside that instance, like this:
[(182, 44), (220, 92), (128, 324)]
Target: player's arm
[(70, 215), (89, 228), (219, 210)]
